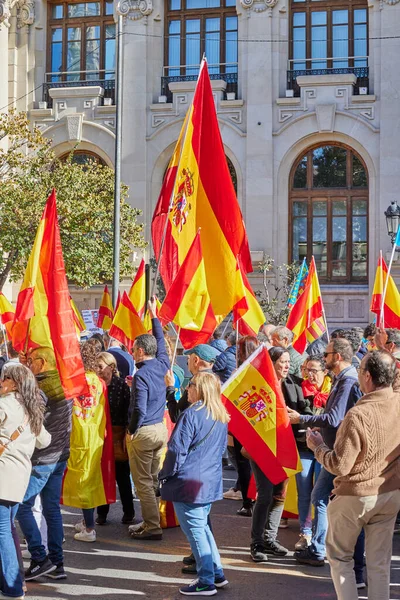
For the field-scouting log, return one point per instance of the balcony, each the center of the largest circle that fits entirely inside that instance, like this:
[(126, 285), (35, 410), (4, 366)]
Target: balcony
[(357, 65), (73, 79), (226, 71)]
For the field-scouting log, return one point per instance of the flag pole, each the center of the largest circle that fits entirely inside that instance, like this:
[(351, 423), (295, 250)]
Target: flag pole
[(237, 342), (171, 202), (387, 280), (326, 323), (176, 347), (5, 338), (227, 323), (382, 313)]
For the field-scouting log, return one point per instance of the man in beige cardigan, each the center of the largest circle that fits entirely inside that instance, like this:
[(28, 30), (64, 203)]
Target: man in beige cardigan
[(366, 462)]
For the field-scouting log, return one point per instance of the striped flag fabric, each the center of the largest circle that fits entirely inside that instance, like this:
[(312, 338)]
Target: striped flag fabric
[(106, 311), (43, 315), (79, 322), (137, 293), (387, 315), (298, 285), (7, 312), (126, 325), (199, 183), (187, 303), (259, 418), (306, 319)]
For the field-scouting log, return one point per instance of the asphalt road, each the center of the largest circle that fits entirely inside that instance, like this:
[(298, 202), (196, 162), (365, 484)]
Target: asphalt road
[(115, 566)]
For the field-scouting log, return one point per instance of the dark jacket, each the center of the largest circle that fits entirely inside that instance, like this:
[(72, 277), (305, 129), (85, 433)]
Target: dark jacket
[(125, 362), (189, 473), (57, 420), (148, 387), (225, 364), (119, 397), (219, 345), (176, 407), (294, 398), (344, 394)]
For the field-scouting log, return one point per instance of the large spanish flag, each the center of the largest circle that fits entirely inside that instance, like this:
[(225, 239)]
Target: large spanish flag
[(198, 192), (387, 315), (7, 312), (259, 418), (43, 315), (187, 303), (106, 311), (250, 321), (89, 479), (306, 319), (126, 325), (137, 293)]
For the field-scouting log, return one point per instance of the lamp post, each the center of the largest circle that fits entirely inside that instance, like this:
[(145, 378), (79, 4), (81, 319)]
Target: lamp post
[(392, 215)]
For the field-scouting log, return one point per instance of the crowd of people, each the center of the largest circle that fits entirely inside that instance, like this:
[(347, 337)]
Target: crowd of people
[(342, 399)]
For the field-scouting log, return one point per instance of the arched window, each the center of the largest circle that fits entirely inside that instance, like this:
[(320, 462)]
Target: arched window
[(83, 157), (328, 213)]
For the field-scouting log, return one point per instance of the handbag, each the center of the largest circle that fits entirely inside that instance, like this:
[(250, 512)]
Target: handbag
[(120, 451), (14, 436)]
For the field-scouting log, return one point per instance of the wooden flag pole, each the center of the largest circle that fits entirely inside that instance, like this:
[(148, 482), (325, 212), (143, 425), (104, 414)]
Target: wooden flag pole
[(176, 347)]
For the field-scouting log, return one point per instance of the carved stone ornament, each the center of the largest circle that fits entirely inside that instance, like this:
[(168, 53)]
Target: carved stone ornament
[(260, 5), (134, 9), (392, 1), (5, 13), (25, 12)]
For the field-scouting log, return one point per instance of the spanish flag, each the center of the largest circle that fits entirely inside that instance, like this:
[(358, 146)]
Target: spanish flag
[(259, 418), (89, 479), (250, 321), (126, 325), (137, 293), (7, 312), (306, 319), (198, 193), (187, 303), (43, 315), (387, 315), (79, 322), (106, 312), (147, 324)]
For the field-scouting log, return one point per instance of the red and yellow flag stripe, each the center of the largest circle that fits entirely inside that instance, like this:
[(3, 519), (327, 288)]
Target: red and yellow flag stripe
[(137, 293), (126, 325), (106, 311), (391, 306)]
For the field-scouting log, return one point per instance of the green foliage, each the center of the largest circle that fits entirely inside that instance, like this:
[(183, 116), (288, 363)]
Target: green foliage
[(273, 298), (85, 199)]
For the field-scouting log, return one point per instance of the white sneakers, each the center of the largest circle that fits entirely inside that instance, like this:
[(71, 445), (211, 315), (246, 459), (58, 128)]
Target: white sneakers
[(136, 527), (304, 542), (233, 494), (284, 524), (85, 536), (80, 526)]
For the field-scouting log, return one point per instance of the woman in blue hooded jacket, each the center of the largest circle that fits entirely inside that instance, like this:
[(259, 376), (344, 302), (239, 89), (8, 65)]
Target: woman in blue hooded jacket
[(191, 477)]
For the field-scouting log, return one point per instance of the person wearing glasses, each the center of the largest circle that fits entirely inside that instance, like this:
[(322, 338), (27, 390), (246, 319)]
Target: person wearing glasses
[(344, 394), (48, 466), (21, 429)]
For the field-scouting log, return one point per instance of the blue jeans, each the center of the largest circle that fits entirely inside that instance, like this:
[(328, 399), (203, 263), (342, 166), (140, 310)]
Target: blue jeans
[(45, 480), (10, 576), (193, 519), (320, 498), (88, 517), (305, 482)]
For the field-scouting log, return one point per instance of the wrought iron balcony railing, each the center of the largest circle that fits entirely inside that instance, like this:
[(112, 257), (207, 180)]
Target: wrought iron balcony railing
[(65, 79), (226, 71), (298, 68)]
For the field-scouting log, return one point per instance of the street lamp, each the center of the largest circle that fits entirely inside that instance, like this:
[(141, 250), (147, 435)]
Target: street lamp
[(392, 215)]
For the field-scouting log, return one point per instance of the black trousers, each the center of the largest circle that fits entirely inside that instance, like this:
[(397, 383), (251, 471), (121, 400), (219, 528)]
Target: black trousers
[(244, 473), (123, 478)]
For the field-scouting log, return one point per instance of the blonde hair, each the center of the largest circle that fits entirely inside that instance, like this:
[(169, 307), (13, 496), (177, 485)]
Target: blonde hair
[(209, 392), (109, 360)]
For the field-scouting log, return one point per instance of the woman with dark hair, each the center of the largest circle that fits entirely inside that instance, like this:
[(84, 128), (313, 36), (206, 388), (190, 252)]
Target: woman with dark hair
[(21, 429), (119, 396), (271, 498), (245, 348)]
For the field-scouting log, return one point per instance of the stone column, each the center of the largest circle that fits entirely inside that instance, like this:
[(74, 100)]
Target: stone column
[(5, 14)]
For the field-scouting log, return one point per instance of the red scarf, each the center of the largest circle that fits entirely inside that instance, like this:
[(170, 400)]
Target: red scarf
[(319, 397)]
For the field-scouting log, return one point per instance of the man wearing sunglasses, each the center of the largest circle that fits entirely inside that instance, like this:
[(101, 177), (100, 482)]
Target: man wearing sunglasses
[(344, 393)]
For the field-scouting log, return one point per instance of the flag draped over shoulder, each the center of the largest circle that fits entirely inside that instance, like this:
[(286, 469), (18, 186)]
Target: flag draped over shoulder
[(198, 192), (127, 324), (89, 479), (252, 319), (43, 315), (387, 315), (259, 418), (106, 311), (306, 319), (299, 285), (187, 303), (7, 312), (137, 293)]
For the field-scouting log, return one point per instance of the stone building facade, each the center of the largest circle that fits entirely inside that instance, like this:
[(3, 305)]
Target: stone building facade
[(307, 97)]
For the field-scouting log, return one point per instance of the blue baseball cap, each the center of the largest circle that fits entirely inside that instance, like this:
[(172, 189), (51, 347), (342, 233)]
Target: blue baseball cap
[(204, 352)]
